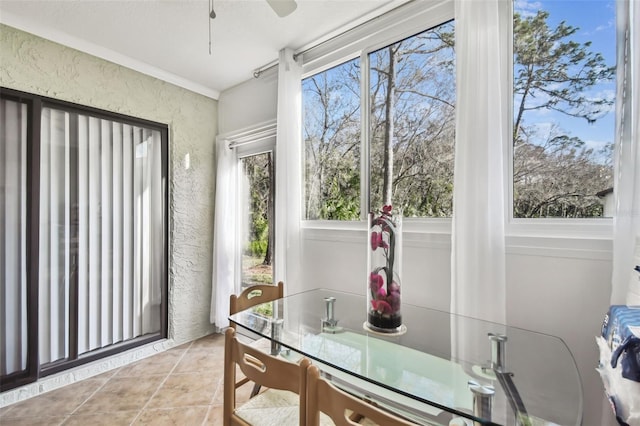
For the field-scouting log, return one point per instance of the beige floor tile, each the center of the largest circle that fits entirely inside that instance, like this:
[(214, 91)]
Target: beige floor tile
[(107, 374), (173, 416), (160, 364), (117, 397), (214, 416), (218, 394), (242, 394), (201, 360), (211, 341), (121, 418), (5, 410), (33, 421), (181, 390), (60, 402), (182, 347), (122, 394)]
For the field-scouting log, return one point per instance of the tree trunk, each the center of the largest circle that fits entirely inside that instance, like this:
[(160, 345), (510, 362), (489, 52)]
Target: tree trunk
[(518, 120), (388, 130), (268, 257)]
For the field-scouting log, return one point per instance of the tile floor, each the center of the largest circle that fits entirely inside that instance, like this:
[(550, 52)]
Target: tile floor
[(181, 386)]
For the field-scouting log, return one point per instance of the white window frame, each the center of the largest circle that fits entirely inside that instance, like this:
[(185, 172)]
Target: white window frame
[(246, 143), (567, 228)]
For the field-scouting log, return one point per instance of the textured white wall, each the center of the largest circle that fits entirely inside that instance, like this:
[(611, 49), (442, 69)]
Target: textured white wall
[(35, 65)]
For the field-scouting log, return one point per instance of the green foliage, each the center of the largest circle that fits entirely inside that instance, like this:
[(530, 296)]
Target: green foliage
[(257, 172), (257, 248), (265, 309), (342, 196)]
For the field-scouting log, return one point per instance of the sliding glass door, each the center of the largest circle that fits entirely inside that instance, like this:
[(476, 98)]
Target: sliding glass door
[(101, 237)]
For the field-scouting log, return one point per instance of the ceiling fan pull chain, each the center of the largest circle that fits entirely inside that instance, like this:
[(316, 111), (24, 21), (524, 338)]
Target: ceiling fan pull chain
[(211, 15)]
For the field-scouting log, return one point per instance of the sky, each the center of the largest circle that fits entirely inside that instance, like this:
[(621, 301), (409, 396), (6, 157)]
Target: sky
[(596, 22)]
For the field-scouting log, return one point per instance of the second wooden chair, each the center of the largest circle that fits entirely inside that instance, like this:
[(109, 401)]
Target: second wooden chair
[(340, 407), (283, 403)]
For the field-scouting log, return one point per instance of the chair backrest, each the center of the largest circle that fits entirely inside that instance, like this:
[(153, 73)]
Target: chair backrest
[(263, 369), (255, 295), (341, 407)]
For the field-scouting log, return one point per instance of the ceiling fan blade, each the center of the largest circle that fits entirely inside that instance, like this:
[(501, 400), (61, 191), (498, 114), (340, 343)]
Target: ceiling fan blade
[(282, 8)]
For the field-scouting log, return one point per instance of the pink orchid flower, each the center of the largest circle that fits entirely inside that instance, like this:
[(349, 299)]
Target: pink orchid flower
[(378, 241), (374, 240), (381, 306), (375, 281)]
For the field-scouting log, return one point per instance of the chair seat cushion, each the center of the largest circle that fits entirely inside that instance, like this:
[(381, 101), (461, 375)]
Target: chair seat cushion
[(274, 407), (271, 407)]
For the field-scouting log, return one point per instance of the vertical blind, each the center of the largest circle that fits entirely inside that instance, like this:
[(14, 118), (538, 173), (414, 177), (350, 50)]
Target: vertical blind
[(101, 217), (13, 204)]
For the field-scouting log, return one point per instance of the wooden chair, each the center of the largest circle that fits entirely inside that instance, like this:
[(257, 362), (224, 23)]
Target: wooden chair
[(249, 297), (253, 296), (343, 409), (283, 403)]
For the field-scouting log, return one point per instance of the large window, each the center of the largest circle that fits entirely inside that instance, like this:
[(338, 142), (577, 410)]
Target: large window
[(411, 115), (563, 108), (90, 278)]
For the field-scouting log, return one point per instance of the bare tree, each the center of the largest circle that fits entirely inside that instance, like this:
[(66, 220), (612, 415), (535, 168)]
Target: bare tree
[(554, 173)]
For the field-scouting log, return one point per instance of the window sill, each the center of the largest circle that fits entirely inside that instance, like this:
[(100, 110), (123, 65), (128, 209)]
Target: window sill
[(561, 228), (534, 228), (577, 239)]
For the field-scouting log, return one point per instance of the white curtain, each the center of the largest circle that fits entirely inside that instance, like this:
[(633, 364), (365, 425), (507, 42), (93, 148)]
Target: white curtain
[(288, 172), (626, 244), (225, 241), (478, 234)]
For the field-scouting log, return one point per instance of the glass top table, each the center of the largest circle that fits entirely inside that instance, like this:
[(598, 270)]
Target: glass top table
[(441, 369)]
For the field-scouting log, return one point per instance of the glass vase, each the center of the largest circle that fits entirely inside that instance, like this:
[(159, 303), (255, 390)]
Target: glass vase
[(384, 259)]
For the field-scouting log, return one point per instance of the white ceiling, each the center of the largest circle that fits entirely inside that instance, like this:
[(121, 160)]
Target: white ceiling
[(169, 39)]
